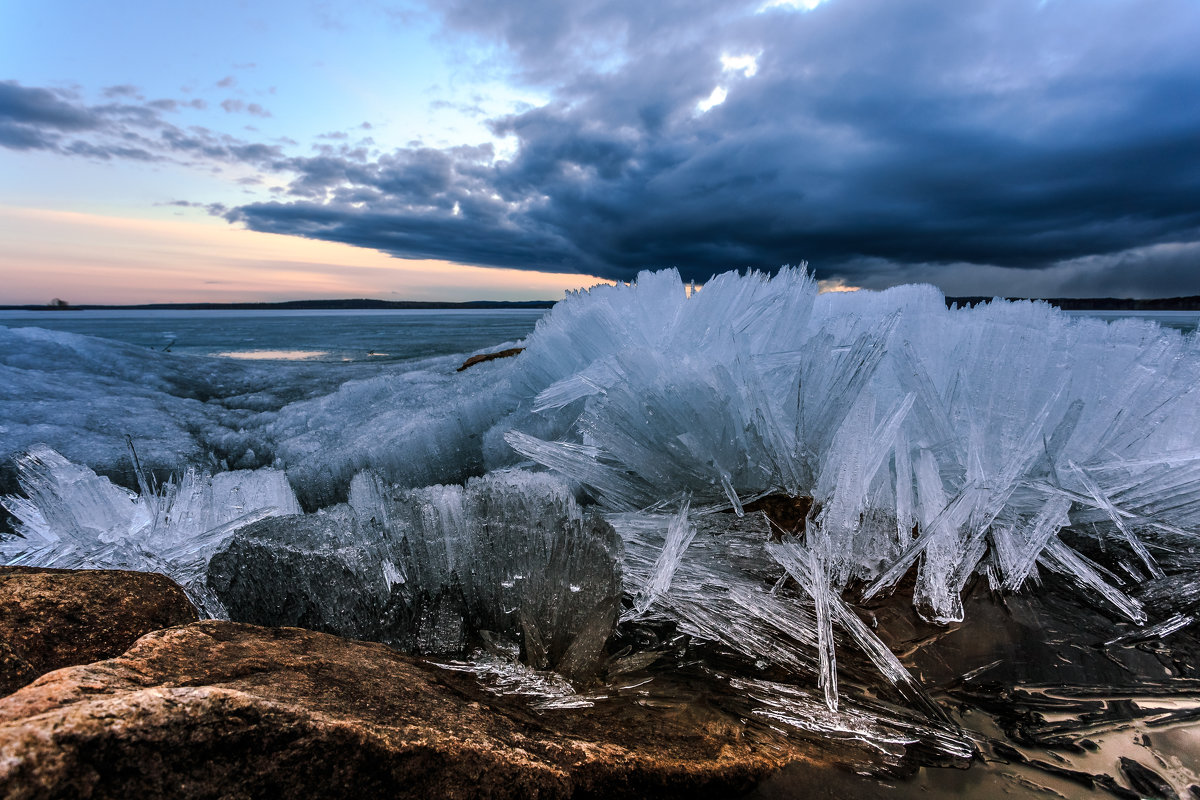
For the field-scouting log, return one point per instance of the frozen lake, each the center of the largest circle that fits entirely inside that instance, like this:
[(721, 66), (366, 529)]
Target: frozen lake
[(341, 335), (319, 335), (1186, 321)]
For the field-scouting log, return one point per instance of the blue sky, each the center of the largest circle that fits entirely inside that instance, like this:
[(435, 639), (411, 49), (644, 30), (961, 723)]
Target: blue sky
[(225, 150), (302, 78)]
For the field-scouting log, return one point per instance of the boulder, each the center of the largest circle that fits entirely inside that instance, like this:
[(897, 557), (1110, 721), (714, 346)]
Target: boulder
[(52, 618), (222, 709)]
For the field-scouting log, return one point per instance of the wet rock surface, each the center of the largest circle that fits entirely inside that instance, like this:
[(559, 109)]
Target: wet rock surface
[(233, 710), (52, 618)]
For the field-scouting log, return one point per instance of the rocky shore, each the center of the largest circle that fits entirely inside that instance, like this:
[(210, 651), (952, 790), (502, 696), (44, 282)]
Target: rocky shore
[(52, 618), (138, 699), (114, 689)]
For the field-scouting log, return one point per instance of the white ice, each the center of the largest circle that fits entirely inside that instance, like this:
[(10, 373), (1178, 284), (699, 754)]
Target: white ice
[(73, 518), (948, 439)]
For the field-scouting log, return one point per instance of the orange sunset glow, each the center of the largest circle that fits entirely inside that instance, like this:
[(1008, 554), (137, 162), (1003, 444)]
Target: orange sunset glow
[(97, 259)]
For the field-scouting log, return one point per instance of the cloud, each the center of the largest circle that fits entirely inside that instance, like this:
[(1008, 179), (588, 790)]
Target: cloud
[(24, 137), (869, 137), (106, 152), (33, 118), (37, 119), (124, 90), (1162, 270), (234, 106), (20, 105)]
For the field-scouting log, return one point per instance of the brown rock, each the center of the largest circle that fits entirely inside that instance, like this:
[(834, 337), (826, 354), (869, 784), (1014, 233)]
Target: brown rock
[(220, 709), (52, 618), (15, 671), (482, 357), (786, 512)]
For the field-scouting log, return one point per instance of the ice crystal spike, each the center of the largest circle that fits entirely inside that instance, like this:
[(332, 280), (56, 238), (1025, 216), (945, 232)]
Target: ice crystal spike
[(509, 556), (73, 518), (679, 535)]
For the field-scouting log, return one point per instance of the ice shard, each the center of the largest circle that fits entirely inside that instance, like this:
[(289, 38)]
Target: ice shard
[(510, 557), (680, 533), (72, 518), (926, 435)]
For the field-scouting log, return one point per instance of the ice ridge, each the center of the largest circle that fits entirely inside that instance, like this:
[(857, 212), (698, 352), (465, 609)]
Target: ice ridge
[(957, 441)]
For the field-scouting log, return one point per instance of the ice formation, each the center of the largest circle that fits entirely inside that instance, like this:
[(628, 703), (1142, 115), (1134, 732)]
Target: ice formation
[(999, 444), (509, 561), (961, 441), (74, 518), (415, 421)]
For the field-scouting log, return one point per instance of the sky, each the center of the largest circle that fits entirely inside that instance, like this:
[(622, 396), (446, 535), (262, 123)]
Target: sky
[(187, 151)]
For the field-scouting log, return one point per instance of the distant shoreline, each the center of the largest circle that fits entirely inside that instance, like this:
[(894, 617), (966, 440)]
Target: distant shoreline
[(294, 305), (1191, 303)]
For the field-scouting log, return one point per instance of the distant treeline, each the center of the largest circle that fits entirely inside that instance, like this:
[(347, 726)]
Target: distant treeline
[(294, 305), (1066, 303), (1097, 303)]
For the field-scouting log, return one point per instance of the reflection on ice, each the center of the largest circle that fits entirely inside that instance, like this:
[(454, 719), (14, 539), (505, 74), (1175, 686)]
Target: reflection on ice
[(274, 355)]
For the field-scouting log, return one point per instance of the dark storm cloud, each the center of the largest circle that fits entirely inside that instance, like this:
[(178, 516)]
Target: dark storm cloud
[(870, 135), (1155, 271), (1039, 143)]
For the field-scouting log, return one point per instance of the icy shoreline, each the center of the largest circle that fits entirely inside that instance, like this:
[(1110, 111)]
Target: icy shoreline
[(1008, 444)]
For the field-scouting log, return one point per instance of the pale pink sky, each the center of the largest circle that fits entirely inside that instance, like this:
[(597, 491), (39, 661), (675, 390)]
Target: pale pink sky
[(87, 258)]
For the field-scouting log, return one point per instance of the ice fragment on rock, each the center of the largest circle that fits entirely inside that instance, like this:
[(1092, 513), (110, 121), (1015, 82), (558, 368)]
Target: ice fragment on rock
[(510, 556), (73, 518)]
